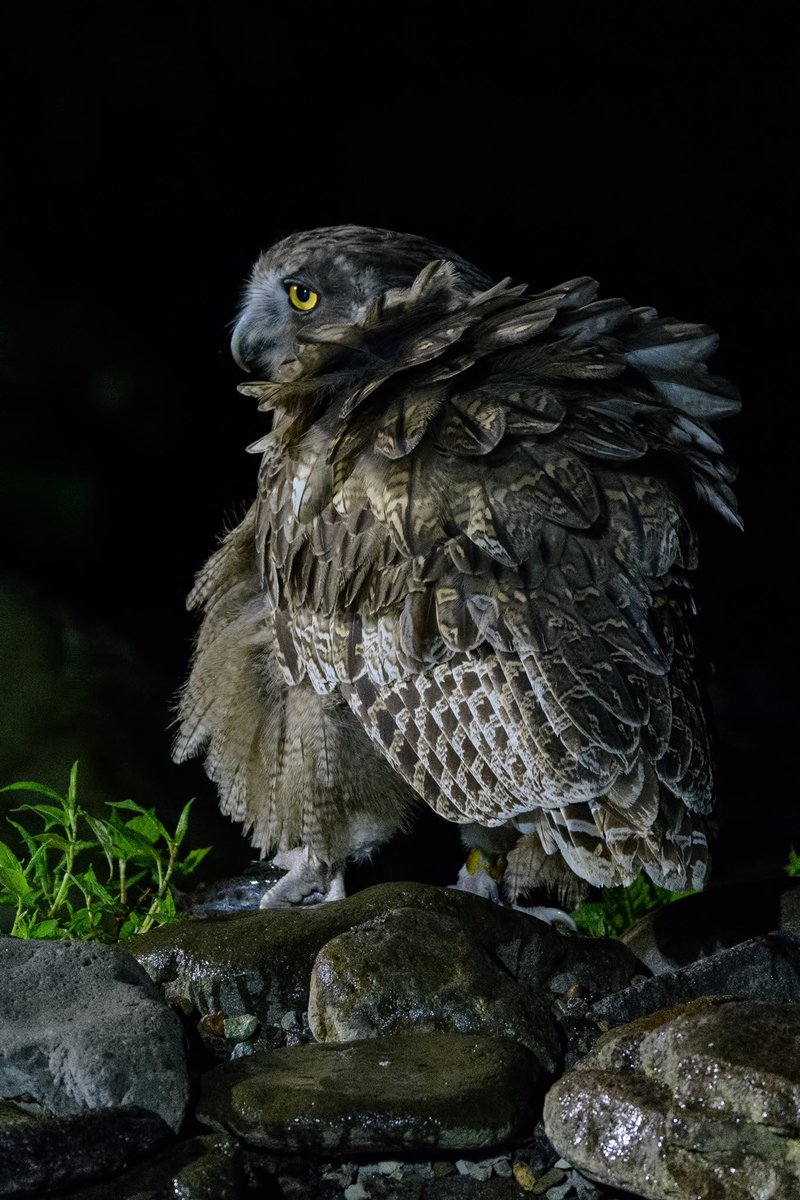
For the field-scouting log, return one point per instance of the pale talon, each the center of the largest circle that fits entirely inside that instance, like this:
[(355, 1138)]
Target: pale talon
[(551, 916), (307, 881)]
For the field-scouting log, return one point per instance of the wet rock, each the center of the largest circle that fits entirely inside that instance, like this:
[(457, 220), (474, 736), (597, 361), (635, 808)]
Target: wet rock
[(43, 1153), (765, 968), (261, 962), (419, 972), (82, 1027), (698, 926), (698, 1100), (236, 894), (446, 1091), (201, 1168)]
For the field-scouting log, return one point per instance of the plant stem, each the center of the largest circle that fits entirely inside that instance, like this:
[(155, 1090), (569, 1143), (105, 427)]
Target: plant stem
[(63, 888), (163, 884)]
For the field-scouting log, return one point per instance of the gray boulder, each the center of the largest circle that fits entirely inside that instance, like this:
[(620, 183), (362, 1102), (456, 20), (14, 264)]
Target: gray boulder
[(82, 1026), (764, 968), (405, 1094), (698, 1100), (417, 972)]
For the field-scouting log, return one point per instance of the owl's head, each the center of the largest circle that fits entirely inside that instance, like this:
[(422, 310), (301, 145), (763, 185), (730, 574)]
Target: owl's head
[(326, 277)]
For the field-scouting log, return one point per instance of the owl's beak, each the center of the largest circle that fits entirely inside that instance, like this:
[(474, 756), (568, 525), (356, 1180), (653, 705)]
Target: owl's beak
[(241, 347), (262, 356)]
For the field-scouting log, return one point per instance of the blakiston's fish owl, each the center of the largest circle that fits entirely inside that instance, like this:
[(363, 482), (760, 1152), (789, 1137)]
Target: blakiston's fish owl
[(464, 575)]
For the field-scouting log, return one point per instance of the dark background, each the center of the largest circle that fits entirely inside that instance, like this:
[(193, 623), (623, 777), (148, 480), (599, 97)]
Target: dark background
[(152, 151)]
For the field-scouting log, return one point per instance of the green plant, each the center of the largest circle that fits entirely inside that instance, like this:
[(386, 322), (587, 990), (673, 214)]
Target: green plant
[(793, 865), (620, 907), (89, 877)]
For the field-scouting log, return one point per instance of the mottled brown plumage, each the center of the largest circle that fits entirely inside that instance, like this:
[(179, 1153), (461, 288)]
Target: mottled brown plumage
[(464, 573)]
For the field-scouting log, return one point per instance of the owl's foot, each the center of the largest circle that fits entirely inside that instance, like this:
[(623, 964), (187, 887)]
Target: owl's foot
[(481, 875), (308, 880)]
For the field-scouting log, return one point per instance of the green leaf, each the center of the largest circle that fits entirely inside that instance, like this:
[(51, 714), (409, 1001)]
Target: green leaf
[(8, 858), (37, 866), (621, 907), (51, 816), (183, 823), (127, 805), (592, 919), (39, 788), (88, 882), (12, 874), (14, 881), (45, 929), (60, 843), (72, 790), (129, 844), (131, 926), (148, 826), (26, 837), (102, 832), (191, 862)]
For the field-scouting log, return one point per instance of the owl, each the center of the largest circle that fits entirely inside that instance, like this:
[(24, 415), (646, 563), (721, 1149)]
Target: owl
[(464, 579)]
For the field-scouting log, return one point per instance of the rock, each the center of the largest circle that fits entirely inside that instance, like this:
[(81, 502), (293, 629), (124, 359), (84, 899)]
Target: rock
[(239, 1029), (236, 894), (201, 1168), (82, 1027), (242, 1050), (43, 1153), (261, 962), (695, 927), (446, 1091), (419, 972), (765, 968), (698, 1100)]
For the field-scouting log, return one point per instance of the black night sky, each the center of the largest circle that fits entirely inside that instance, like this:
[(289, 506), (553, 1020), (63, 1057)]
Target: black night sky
[(151, 151)]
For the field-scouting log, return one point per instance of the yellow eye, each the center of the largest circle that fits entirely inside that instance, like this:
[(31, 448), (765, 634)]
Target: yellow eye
[(303, 298)]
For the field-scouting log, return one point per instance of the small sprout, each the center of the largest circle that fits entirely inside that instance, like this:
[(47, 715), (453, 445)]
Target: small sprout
[(89, 877)]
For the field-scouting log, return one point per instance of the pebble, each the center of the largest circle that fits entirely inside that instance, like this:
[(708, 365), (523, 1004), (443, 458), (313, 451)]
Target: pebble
[(238, 1029), (242, 1050), (476, 1170), (524, 1176), (549, 1180)]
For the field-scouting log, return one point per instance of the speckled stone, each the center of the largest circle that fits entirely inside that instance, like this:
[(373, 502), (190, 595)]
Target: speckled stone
[(701, 1100), (417, 972), (439, 1091), (763, 968), (82, 1026)]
